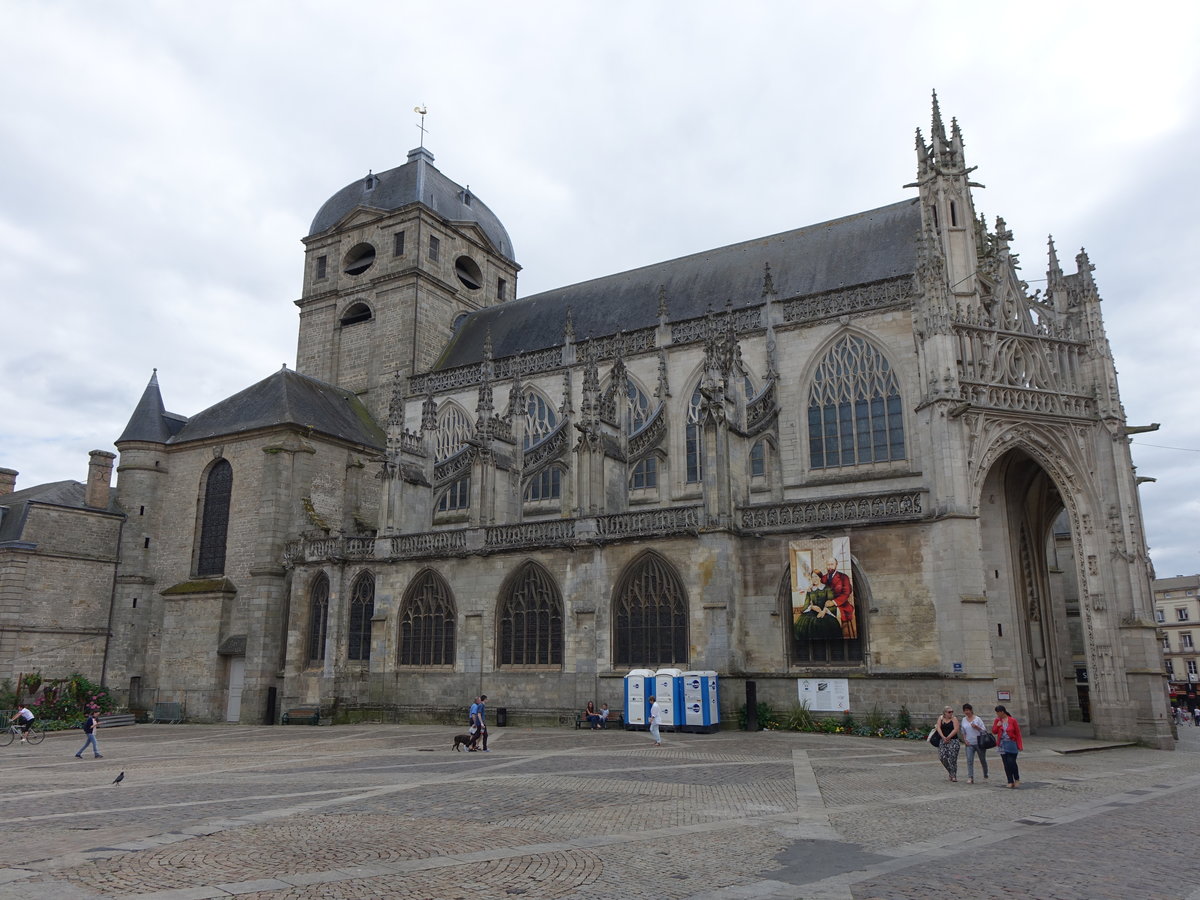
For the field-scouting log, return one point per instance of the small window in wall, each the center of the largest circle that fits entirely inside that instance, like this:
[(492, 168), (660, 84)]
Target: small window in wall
[(501, 290), (322, 266), (360, 258), (398, 244), (758, 460), (1170, 668), (1181, 614), (1186, 641), (357, 312), (1160, 616), (546, 485), (468, 272), (1191, 664), (644, 476), (435, 247), (457, 496)]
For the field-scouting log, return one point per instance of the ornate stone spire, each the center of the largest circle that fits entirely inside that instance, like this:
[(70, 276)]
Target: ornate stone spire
[(663, 391), (662, 302), (396, 404), (768, 289)]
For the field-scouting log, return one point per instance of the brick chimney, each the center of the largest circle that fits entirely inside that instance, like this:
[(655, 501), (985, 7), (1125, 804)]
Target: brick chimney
[(99, 478), (8, 481)]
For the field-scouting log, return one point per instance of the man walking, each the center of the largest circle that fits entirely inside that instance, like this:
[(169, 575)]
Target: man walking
[(90, 724), (481, 721), (655, 717)]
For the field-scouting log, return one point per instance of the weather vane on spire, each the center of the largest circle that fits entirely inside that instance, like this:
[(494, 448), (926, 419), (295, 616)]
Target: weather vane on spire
[(420, 111)]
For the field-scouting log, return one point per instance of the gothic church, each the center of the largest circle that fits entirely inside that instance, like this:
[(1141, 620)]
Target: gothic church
[(836, 452)]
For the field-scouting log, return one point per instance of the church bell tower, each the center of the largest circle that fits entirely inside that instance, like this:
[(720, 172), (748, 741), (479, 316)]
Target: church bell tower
[(391, 263)]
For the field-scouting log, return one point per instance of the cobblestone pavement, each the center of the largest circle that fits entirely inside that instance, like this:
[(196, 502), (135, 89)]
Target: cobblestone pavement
[(558, 814)]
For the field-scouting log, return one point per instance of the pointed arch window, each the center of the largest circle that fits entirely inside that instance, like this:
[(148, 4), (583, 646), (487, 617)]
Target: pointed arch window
[(456, 496), (692, 439), (214, 520), (637, 409), (540, 418), (318, 619), (530, 620), (650, 615), (855, 415), (427, 622), (545, 485), (362, 610), (453, 429)]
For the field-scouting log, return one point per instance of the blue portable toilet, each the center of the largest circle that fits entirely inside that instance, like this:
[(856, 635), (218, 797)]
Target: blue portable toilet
[(701, 709), (638, 686), (668, 689)]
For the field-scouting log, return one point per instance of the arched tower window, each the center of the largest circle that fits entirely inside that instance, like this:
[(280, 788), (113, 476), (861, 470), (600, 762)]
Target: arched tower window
[(453, 429), (530, 620), (650, 615), (427, 622), (540, 418), (318, 618), (214, 521), (362, 609), (854, 409), (693, 438)]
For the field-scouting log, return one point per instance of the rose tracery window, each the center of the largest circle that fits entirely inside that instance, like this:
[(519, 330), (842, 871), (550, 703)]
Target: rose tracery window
[(854, 412), (650, 615), (427, 622), (530, 621), (318, 619), (362, 610)]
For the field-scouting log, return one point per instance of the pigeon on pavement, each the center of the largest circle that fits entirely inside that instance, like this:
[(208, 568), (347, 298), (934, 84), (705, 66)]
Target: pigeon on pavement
[(119, 778)]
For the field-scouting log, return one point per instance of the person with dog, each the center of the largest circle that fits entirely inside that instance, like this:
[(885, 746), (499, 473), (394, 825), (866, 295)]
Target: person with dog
[(478, 730)]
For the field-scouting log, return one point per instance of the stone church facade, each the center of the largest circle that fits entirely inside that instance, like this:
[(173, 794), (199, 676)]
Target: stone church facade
[(458, 491)]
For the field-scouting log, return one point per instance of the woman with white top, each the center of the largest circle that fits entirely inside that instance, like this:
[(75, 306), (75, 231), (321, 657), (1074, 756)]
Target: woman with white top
[(972, 727)]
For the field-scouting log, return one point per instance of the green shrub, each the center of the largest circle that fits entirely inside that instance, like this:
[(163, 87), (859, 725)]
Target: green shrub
[(766, 716), (876, 721), (903, 719), (800, 718), (71, 699)]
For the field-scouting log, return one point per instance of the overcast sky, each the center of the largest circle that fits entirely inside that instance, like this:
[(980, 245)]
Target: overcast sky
[(160, 162)]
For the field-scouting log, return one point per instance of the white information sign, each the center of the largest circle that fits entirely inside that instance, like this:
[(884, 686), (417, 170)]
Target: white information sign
[(825, 694)]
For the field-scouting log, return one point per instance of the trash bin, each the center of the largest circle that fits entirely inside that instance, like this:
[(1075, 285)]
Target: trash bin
[(501, 716)]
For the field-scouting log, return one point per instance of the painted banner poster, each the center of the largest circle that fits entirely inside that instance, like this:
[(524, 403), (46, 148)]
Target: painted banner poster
[(822, 591)]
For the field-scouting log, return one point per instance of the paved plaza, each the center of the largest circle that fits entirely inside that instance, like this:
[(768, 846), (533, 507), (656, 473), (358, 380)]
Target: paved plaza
[(386, 811)]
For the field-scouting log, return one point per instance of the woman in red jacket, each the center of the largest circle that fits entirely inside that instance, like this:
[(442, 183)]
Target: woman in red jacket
[(1008, 737)]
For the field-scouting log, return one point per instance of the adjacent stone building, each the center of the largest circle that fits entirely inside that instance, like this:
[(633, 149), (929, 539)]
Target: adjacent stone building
[(835, 452)]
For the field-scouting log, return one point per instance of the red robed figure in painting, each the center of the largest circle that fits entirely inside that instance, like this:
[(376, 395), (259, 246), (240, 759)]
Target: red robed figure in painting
[(843, 596)]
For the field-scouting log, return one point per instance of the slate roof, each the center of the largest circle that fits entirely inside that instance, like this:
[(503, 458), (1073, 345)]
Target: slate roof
[(14, 507), (287, 398), (416, 180), (150, 421), (859, 249)]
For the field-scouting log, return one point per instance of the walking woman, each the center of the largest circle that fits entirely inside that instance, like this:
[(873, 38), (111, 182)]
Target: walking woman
[(947, 724), (1008, 734), (973, 728)]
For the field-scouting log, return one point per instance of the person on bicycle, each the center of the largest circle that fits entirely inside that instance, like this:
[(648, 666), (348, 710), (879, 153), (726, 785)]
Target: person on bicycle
[(23, 713)]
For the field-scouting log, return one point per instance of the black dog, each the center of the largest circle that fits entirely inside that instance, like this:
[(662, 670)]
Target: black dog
[(460, 739)]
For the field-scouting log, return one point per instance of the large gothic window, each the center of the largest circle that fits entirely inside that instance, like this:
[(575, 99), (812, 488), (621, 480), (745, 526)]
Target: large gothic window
[(318, 618), (530, 620), (650, 615), (214, 522), (637, 409), (453, 429), (427, 620), (693, 437), (854, 408), (540, 418), (362, 609)]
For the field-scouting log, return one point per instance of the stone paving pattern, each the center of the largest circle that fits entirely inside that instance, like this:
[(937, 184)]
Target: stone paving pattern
[(557, 814)]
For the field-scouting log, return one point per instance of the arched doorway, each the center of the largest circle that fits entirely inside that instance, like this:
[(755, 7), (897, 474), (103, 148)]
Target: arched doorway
[(1029, 556)]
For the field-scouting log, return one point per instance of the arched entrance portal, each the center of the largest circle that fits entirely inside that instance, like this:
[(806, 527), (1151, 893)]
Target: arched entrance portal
[(1033, 596)]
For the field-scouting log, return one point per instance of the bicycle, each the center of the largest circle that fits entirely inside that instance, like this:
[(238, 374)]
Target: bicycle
[(12, 732)]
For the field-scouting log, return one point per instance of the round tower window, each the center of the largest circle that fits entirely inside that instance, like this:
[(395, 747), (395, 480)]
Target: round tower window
[(468, 273), (359, 259)]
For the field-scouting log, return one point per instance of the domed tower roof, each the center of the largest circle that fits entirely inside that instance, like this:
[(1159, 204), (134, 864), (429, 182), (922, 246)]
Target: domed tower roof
[(418, 180)]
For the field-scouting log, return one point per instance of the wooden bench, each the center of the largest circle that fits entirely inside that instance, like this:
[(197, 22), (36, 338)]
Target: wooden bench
[(615, 719), (302, 715), (116, 719)]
